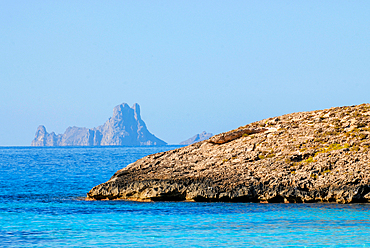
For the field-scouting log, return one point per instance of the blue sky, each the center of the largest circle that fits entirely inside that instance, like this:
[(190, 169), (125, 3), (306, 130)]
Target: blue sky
[(191, 65)]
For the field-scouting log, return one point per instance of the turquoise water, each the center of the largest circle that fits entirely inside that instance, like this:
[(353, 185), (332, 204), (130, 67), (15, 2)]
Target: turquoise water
[(41, 192)]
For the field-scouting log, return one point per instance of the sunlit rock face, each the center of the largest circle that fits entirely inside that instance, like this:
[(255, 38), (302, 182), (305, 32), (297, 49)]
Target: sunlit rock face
[(124, 128)]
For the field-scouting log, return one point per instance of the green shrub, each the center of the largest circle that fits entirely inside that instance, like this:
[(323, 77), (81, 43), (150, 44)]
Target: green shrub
[(332, 147), (309, 160), (355, 148)]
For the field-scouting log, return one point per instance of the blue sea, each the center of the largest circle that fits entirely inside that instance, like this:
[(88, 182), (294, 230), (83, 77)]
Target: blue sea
[(41, 205)]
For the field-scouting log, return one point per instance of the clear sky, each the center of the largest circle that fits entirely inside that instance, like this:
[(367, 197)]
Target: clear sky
[(191, 65)]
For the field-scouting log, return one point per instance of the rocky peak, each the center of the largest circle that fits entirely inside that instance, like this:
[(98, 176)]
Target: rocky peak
[(43, 138), (41, 130), (120, 111), (124, 116), (125, 127)]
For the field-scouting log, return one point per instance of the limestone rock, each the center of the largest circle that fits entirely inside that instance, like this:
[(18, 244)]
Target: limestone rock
[(317, 156), (43, 138), (124, 128), (196, 138)]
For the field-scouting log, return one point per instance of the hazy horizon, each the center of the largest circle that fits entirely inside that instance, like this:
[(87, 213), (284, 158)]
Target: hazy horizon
[(191, 66)]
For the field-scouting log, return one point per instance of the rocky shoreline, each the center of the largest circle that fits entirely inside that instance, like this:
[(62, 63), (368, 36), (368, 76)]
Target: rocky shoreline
[(317, 156)]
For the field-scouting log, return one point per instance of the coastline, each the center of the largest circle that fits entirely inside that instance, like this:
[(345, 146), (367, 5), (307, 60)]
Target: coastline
[(316, 156)]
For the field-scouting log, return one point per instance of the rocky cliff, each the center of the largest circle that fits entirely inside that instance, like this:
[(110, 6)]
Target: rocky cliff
[(124, 128), (196, 138), (318, 156)]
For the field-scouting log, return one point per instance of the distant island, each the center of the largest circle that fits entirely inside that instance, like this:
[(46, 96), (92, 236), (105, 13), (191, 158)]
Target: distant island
[(124, 128), (196, 138)]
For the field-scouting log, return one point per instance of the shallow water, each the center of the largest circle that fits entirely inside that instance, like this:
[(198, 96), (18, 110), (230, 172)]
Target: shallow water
[(40, 206)]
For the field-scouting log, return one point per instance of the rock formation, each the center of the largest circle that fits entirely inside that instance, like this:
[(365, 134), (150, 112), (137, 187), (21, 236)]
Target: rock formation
[(318, 156), (196, 138), (124, 128)]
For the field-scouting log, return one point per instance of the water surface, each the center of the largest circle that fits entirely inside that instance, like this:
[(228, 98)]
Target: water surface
[(40, 206)]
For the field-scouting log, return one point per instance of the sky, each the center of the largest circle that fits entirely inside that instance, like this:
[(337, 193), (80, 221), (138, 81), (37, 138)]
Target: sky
[(192, 66)]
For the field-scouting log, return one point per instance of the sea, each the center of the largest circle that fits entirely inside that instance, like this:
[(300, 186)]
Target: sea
[(42, 204)]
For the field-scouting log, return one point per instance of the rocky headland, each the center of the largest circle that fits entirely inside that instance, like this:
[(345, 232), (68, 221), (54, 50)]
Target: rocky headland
[(196, 138), (317, 156), (124, 128)]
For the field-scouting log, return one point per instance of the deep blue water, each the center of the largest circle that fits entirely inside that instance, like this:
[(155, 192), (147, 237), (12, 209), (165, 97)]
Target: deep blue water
[(41, 192)]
